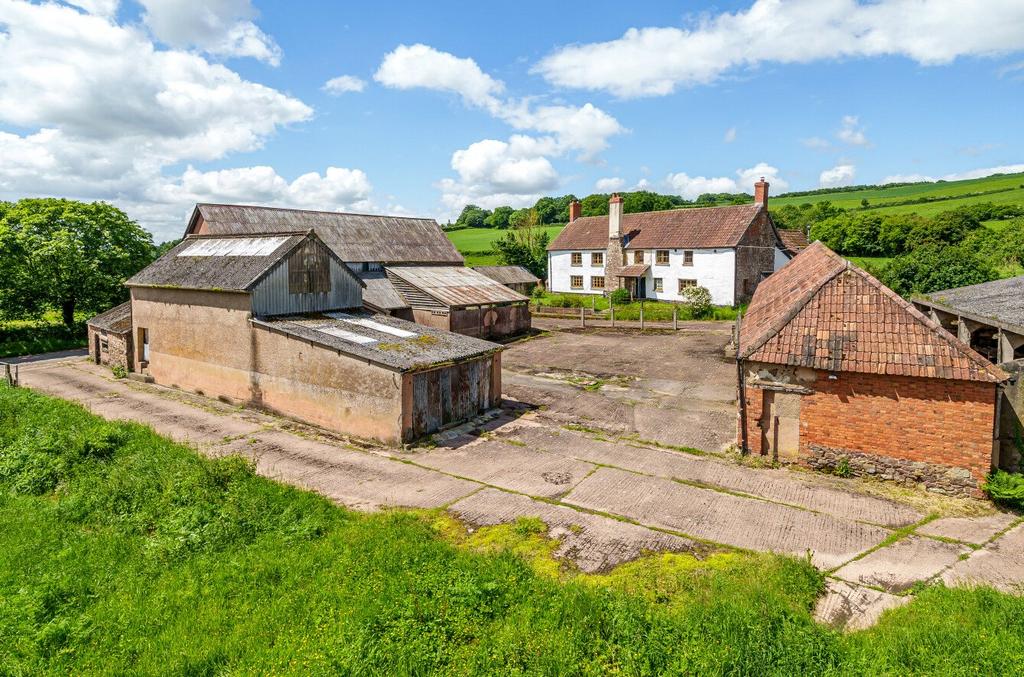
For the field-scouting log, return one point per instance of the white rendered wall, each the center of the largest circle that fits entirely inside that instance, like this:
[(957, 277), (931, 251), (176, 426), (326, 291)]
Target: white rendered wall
[(560, 269), (712, 268), (781, 258)]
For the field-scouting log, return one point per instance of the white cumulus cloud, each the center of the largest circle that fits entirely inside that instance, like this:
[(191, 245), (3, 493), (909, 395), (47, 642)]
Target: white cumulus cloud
[(492, 173), (840, 175), (422, 66), (609, 184), (343, 84), (852, 132), (655, 61), (955, 176), (691, 187), (220, 27)]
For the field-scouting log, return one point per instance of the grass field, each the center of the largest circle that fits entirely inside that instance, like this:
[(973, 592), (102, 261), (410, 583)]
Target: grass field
[(475, 243), (1011, 187), (124, 553)]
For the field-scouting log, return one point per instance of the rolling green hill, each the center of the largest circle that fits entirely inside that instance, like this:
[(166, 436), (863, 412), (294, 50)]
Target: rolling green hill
[(935, 197), (475, 243)]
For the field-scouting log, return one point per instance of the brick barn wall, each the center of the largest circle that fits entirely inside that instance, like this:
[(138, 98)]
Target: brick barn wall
[(935, 431)]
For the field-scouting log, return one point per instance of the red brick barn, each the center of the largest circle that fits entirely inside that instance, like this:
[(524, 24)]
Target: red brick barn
[(837, 371)]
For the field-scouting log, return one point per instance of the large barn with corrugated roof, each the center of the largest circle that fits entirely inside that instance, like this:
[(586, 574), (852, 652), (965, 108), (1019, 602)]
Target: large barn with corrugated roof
[(657, 255), (837, 371)]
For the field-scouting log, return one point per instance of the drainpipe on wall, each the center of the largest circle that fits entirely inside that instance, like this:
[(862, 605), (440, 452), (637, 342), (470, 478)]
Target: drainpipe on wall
[(741, 380)]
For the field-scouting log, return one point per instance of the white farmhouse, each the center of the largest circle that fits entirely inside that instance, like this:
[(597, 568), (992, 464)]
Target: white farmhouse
[(656, 255)]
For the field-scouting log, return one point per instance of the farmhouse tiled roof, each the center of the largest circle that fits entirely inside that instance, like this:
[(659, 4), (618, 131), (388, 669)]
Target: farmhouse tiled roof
[(693, 228), (355, 238), (793, 240), (822, 312), (999, 300)]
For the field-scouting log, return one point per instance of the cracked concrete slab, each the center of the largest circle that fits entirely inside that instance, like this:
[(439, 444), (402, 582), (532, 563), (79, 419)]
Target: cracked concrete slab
[(899, 566), (976, 530), (530, 471), (777, 485), (592, 542), (725, 518), (853, 607), (999, 564)]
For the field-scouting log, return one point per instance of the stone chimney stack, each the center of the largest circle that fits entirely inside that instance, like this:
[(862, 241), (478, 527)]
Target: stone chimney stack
[(575, 209), (613, 260), (761, 193), (615, 217)]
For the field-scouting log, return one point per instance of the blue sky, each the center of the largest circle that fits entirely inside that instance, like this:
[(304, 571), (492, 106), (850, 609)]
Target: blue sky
[(154, 105)]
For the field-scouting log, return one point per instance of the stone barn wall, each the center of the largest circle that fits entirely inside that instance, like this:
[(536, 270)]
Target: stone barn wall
[(111, 348)]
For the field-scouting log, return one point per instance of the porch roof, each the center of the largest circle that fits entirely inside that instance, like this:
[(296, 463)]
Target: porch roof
[(635, 270)]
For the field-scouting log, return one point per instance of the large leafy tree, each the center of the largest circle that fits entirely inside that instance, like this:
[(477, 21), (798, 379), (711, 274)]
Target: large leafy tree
[(525, 245), (472, 217), (67, 255), (934, 267)]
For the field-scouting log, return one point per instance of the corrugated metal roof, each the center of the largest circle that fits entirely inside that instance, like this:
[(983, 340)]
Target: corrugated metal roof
[(219, 272), (379, 292), (455, 286), (691, 228), (508, 274), (234, 246), (353, 237), (118, 319), (823, 312), (374, 338)]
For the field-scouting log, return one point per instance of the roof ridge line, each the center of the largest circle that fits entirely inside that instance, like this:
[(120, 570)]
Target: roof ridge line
[(312, 211), (777, 326)]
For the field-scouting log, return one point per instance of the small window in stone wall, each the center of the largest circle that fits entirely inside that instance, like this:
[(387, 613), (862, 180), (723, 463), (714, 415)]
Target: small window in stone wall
[(104, 344), (309, 270)]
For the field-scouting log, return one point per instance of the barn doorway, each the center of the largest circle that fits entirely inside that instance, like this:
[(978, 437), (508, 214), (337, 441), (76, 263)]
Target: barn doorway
[(780, 425)]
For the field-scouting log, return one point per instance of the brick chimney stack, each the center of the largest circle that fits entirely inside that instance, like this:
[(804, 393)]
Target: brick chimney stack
[(615, 216), (575, 209), (761, 193)]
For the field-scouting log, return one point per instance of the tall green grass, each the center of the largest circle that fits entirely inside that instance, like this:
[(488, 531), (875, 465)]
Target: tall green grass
[(122, 552)]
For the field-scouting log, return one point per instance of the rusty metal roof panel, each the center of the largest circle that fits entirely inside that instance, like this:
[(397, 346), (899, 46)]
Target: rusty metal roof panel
[(455, 286), (508, 274), (355, 238)]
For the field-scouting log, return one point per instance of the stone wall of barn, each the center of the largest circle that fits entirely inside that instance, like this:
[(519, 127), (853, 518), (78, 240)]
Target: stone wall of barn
[(755, 256), (935, 432), (110, 348)]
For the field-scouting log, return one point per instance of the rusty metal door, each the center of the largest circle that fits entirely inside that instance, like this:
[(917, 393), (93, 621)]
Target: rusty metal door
[(780, 425)]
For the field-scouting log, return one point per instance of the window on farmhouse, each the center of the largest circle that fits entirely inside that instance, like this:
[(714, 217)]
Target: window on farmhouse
[(688, 258), (577, 258), (597, 258), (683, 284), (661, 257), (576, 281), (597, 282), (309, 270), (659, 284), (638, 257)]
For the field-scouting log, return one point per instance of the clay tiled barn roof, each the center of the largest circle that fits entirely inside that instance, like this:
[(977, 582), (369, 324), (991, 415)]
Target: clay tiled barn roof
[(822, 312), (793, 241), (353, 237), (696, 228)]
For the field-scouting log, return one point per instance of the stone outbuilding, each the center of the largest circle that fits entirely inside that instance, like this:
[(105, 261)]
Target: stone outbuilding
[(461, 300), (276, 321), (516, 278), (837, 372), (110, 337)]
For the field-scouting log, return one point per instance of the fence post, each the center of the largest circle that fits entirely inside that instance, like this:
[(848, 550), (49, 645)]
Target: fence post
[(583, 317), (611, 308), (7, 374), (593, 304), (641, 316), (675, 317)]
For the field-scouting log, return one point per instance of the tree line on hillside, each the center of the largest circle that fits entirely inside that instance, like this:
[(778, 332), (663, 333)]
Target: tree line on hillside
[(555, 210), (68, 256)]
